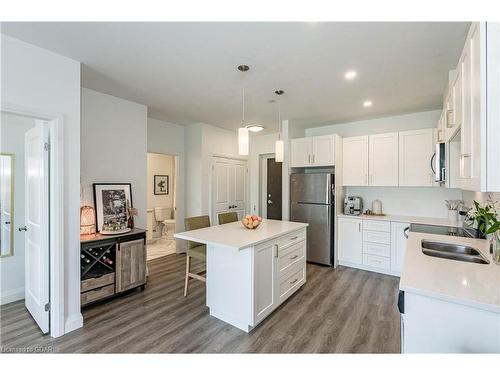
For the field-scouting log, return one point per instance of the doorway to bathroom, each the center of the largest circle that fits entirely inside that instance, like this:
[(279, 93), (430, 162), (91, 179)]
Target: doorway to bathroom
[(161, 200)]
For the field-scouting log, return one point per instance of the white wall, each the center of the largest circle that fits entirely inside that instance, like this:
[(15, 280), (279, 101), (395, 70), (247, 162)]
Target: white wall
[(412, 121), (160, 164), (12, 131), (114, 146), (201, 143), (259, 145), (41, 81)]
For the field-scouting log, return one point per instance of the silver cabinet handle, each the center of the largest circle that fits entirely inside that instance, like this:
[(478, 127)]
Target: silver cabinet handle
[(294, 257), (294, 281), (405, 232), (359, 227), (275, 251), (294, 238), (25, 229)]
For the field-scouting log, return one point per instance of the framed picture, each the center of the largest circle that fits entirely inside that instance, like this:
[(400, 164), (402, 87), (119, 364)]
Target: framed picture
[(111, 202), (161, 184)]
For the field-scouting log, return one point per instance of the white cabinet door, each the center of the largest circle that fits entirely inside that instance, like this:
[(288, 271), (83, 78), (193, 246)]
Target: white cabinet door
[(415, 153), (456, 116), (323, 150), (265, 280), (355, 161), (350, 240), (398, 246), (465, 131), (301, 152), (383, 159)]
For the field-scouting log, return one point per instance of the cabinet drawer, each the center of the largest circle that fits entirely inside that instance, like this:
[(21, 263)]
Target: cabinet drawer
[(97, 282), (291, 255), (377, 225), (377, 249), (291, 282), (377, 237), (97, 294), (375, 261), (291, 238)]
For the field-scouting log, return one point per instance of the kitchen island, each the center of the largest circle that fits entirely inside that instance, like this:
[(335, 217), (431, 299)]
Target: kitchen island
[(250, 272)]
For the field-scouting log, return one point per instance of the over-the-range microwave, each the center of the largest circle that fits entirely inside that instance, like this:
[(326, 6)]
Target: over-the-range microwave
[(438, 162)]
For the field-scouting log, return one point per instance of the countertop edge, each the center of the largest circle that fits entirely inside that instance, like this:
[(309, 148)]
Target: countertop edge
[(448, 298), (251, 244)]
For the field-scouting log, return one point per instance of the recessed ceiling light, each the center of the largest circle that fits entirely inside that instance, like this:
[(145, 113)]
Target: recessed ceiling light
[(350, 74), (255, 128), (367, 103)]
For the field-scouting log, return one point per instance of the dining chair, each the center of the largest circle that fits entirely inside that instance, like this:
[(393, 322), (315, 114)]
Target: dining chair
[(228, 217), (195, 250)]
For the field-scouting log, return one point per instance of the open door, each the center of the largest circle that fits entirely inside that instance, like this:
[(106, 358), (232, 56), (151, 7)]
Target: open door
[(36, 159)]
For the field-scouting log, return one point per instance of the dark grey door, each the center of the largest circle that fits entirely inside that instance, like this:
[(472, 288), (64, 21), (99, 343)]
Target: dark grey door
[(319, 231), (274, 189)]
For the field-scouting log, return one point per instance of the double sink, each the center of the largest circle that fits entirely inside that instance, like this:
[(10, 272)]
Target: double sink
[(461, 253)]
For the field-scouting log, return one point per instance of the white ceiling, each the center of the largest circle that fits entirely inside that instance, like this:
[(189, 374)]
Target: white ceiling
[(186, 72)]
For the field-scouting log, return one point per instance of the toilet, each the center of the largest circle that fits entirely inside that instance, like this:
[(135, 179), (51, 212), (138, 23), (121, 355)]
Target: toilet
[(163, 215)]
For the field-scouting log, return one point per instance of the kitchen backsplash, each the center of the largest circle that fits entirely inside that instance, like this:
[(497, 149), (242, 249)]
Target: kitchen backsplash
[(426, 202), (470, 196)]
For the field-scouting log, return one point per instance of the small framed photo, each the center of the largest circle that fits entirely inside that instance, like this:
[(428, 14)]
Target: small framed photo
[(111, 202), (160, 184)]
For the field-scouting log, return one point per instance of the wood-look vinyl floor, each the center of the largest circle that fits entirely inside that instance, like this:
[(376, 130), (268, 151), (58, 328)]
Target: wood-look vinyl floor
[(337, 311)]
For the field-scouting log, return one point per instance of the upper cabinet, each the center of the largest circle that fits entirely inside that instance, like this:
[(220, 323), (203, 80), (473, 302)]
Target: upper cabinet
[(316, 151), (416, 148), (355, 161), (475, 124), (383, 159)]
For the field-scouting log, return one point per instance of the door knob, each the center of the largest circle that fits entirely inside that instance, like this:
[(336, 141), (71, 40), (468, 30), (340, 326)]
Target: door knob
[(269, 201), (22, 229)]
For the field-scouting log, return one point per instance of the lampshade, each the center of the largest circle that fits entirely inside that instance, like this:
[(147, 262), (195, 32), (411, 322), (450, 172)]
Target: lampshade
[(279, 150), (87, 220), (243, 141)]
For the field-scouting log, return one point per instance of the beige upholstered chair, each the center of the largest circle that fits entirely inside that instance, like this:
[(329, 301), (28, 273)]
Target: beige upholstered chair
[(195, 250), (228, 217)]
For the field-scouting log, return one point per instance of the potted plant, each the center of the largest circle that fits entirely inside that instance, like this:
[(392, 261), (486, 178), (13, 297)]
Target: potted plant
[(485, 216)]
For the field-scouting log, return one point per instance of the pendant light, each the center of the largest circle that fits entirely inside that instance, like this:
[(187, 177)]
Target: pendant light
[(243, 137), (279, 147)]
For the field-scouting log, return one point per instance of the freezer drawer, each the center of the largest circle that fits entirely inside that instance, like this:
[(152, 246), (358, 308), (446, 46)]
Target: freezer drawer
[(319, 232)]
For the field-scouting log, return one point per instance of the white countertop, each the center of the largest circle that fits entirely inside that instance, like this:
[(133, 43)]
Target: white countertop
[(237, 236), (407, 219), (476, 285)]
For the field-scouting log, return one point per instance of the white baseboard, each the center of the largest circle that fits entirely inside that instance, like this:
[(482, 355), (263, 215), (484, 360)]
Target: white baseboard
[(12, 296), (75, 321)]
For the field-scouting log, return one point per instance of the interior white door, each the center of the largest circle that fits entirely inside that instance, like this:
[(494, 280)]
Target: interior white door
[(239, 191), (36, 159), (355, 161), (229, 187), (383, 160), (6, 175), (221, 188)]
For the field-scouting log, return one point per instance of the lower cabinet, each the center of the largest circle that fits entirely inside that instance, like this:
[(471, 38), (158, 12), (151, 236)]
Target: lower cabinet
[(374, 245), (350, 240), (112, 264), (279, 271), (130, 265)]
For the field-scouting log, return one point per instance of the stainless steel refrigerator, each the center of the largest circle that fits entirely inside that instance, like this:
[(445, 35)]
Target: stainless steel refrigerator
[(312, 201)]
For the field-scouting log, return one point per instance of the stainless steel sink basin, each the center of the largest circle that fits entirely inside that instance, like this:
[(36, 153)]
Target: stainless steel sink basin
[(452, 251)]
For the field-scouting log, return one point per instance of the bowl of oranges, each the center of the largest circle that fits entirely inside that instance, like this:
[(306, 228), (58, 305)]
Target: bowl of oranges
[(251, 221)]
